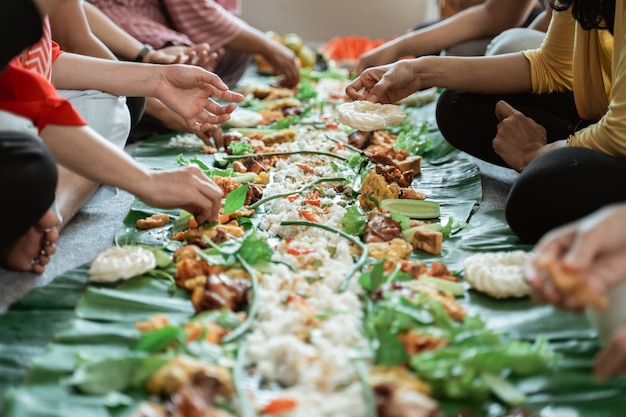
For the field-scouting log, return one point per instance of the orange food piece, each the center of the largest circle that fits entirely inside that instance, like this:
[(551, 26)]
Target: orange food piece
[(279, 405), (306, 168), (308, 216), (576, 286)]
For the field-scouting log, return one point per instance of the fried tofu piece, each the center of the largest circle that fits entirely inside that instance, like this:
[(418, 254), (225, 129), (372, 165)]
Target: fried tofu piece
[(412, 163), (427, 240)]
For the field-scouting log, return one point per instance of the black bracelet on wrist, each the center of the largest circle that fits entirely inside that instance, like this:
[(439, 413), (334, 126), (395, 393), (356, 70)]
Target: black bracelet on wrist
[(142, 54)]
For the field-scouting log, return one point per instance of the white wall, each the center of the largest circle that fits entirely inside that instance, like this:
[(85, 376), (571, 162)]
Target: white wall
[(320, 20)]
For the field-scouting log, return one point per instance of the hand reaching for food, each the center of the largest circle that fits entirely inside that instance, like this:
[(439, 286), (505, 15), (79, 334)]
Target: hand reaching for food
[(386, 84), (577, 263)]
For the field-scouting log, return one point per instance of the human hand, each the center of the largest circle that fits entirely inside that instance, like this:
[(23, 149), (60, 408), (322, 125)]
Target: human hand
[(384, 54), (199, 55), (519, 138), (593, 248), (213, 136), (387, 83), (283, 62), (186, 187), (611, 360), (188, 90)]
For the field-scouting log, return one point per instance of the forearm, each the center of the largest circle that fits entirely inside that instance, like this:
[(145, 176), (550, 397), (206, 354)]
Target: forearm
[(250, 40), (115, 38), (482, 75), (480, 21), (83, 151), (71, 31), (75, 72)]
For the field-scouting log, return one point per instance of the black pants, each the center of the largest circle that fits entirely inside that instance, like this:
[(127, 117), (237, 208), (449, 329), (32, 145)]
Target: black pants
[(27, 183), (556, 188)]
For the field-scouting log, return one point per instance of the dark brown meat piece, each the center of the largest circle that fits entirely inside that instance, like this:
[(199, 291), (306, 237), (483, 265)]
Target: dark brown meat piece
[(379, 228), (254, 164), (395, 176), (221, 291), (196, 399), (254, 194), (382, 159), (393, 402), (360, 138), (233, 136)]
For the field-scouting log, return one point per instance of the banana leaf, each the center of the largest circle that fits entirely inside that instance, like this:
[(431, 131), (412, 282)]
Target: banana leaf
[(62, 401), (135, 300)]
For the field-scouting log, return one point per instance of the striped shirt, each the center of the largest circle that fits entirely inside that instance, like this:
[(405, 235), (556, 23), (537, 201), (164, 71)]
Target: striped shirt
[(175, 22)]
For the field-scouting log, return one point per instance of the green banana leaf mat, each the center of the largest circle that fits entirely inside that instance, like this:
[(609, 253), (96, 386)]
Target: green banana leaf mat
[(44, 335)]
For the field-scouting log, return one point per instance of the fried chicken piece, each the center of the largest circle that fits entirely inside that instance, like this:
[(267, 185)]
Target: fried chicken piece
[(221, 291), (399, 377), (197, 398), (178, 372), (376, 189), (156, 220), (227, 184), (394, 402)]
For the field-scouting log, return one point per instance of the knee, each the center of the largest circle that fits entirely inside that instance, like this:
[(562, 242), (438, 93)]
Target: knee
[(515, 40), (33, 180)]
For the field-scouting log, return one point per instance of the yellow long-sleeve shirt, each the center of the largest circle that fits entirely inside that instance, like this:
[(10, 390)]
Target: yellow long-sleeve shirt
[(592, 63)]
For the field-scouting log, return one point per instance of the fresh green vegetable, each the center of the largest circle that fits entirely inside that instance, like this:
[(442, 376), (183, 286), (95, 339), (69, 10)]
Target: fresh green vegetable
[(240, 148), (503, 389), (412, 139), (244, 178), (209, 171), (235, 199), (455, 288), (415, 209), (353, 221), (355, 169), (306, 91)]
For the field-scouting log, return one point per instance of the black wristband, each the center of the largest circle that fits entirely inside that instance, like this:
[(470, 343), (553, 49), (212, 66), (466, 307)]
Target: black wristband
[(144, 51)]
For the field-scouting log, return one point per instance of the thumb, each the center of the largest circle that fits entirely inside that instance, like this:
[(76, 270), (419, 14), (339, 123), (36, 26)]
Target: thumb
[(504, 110)]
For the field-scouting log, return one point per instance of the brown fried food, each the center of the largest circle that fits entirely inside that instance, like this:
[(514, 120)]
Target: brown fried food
[(575, 286), (392, 401), (380, 228), (427, 240), (227, 184), (415, 343), (221, 291), (156, 220)]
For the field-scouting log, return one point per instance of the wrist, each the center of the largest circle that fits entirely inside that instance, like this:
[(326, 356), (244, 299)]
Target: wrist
[(143, 53)]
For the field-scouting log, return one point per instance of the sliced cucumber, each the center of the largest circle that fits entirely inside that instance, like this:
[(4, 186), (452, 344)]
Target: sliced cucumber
[(245, 178), (220, 159), (504, 390), (163, 260), (415, 209), (455, 288)]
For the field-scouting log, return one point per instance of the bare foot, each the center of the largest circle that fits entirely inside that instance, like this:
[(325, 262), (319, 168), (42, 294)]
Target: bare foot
[(32, 251)]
